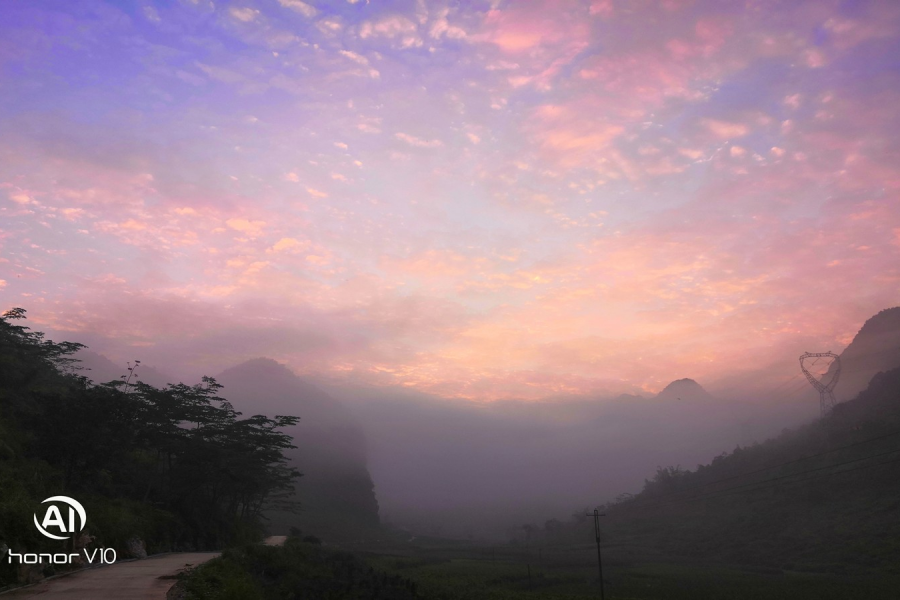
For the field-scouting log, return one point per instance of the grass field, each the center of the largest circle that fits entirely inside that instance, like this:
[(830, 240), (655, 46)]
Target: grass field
[(504, 573), (447, 570)]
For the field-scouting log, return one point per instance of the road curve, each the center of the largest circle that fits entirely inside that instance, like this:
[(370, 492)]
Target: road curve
[(275, 540), (133, 580)]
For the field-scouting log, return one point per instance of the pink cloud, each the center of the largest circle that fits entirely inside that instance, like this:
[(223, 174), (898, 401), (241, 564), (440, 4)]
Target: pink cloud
[(534, 26), (725, 130), (847, 33), (568, 198), (299, 6), (441, 27), (397, 27), (604, 8), (418, 142), (244, 14), (246, 226)]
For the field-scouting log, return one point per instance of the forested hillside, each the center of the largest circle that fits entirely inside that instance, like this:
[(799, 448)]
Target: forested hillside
[(874, 349), (164, 468), (824, 497)]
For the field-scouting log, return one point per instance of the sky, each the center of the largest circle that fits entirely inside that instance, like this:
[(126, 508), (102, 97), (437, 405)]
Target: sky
[(481, 200)]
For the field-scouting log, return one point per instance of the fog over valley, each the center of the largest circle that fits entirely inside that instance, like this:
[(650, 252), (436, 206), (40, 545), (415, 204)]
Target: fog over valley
[(462, 468)]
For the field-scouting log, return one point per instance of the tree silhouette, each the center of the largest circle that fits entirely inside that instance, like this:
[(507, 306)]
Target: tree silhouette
[(178, 455)]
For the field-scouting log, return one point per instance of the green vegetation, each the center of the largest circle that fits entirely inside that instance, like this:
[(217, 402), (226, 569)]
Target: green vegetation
[(176, 467), (453, 571), (298, 570), (570, 573)]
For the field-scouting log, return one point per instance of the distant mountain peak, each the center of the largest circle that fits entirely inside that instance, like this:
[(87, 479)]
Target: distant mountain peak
[(267, 366), (684, 389), (271, 371), (100, 369), (275, 386)]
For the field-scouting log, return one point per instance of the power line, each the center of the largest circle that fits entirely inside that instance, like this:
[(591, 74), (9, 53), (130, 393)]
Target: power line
[(784, 464), (761, 485), (783, 383), (793, 391), (783, 477), (790, 475), (789, 391)]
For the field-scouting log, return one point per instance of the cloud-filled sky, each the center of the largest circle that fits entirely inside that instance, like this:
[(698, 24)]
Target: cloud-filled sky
[(471, 199)]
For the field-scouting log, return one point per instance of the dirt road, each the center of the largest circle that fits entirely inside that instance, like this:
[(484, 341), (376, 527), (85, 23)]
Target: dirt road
[(275, 540), (135, 580)]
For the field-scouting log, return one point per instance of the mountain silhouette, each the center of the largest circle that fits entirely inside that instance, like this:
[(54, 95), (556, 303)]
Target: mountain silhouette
[(685, 390), (874, 349), (336, 492)]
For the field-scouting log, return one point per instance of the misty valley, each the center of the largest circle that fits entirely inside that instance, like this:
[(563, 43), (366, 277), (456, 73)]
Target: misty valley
[(399, 497)]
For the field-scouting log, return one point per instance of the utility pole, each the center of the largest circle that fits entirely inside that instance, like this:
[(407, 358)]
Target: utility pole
[(597, 515), (527, 529)]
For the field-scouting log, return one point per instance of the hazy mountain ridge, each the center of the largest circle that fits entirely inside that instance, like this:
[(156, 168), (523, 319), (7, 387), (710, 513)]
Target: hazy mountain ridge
[(101, 369), (336, 491)]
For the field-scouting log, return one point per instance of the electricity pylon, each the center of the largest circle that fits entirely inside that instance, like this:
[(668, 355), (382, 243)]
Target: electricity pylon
[(825, 388)]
